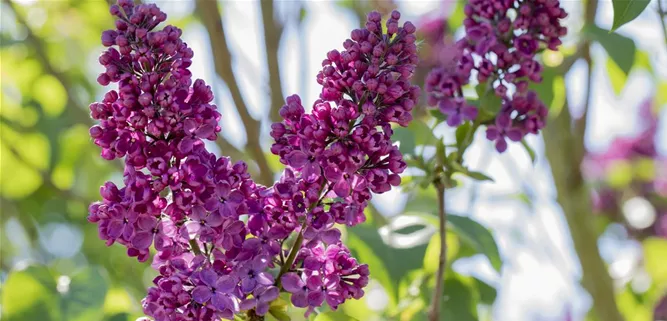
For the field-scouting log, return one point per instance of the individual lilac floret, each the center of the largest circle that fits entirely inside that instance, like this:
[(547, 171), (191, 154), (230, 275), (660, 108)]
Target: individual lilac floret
[(457, 111), (261, 299), (217, 290)]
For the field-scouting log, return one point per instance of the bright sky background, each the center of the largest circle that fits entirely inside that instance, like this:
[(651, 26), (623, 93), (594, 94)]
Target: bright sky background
[(538, 281)]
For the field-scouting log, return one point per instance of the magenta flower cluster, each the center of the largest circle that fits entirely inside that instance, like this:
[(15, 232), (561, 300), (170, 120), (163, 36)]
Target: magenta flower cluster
[(499, 48), (222, 242)]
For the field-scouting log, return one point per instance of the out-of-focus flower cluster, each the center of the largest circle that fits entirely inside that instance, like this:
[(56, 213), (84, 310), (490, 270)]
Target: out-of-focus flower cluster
[(499, 48), (220, 239), (630, 170)]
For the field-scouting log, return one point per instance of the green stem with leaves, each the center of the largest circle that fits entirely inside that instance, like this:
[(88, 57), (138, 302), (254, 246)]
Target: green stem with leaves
[(436, 302)]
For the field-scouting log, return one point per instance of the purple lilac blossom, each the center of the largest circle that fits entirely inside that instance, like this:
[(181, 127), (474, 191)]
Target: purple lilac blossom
[(341, 153), (501, 41), (217, 235)]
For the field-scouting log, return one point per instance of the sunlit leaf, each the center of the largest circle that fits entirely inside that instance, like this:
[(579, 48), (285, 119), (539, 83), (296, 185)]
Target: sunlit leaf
[(18, 179), (655, 256), (389, 263), (477, 236), (279, 310), (616, 76), (626, 11), (63, 177), (432, 254), (378, 268), (619, 174), (422, 133), (457, 16), (117, 300), (359, 309), (51, 95), (661, 96), (478, 176), (463, 132), (643, 60)]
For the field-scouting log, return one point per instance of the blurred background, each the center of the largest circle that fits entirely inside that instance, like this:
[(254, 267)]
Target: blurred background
[(582, 227)]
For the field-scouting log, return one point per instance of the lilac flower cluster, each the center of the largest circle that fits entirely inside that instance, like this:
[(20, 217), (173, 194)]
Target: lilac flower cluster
[(502, 39), (219, 238), (342, 151)]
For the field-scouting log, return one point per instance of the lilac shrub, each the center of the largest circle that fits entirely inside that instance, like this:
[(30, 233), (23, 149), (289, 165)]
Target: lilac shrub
[(499, 48), (222, 242)]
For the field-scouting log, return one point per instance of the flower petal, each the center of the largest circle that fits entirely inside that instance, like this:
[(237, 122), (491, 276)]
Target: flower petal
[(292, 282), (201, 294)]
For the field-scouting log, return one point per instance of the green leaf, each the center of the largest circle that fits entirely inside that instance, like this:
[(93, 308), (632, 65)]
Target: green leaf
[(85, 297), (478, 176), (407, 140), (487, 293), (626, 11), (661, 96), (437, 114), (50, 94), (368, 255), (432, 255), (280, 315), (460, 303), (477, 236), (462, 133), (302, 14), (387, 264), (545, 88), (621, 49), (616, 76), (440, 156), (643, 60), (529, 150), (422, 133), (30, 294), (334, 316), (488, 100), (122, 316)]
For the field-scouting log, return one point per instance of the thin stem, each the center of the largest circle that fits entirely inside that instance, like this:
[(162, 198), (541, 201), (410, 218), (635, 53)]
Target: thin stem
[(292, 254), (299, 239), (436, 300), (273, 31), (573, 194), (222, 58), (661, 15), (195, 247)]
